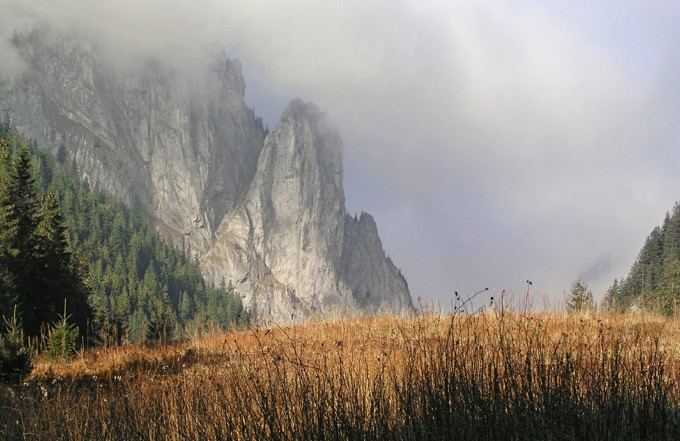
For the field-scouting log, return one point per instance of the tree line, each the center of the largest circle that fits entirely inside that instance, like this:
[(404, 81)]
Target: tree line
[(653, 282)]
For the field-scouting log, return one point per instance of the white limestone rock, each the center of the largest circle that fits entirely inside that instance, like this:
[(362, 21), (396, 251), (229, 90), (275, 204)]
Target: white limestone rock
[(267, 214), (292, 228), (182, 145)]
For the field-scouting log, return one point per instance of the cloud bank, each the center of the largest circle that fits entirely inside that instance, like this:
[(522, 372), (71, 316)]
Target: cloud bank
[(494, 142)]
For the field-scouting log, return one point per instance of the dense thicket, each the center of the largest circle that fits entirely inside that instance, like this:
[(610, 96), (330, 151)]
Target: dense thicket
[(141, 288), (654, 279)]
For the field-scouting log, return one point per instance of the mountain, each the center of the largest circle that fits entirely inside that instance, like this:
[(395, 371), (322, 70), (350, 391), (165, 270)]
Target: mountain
[(138, 286), (263, 210)]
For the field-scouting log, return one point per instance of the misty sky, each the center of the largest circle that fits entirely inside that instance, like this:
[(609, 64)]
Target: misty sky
[(493, 141)]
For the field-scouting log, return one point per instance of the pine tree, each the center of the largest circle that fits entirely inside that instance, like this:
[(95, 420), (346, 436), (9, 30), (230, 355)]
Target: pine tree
[(580, 298), (186, 308), (8, 229), (138, 327), (44, 271), (652, 262), (611, 296), (63, 274), (161, 324), (15, 360), (669, 286), (62, 339), (26, 266)]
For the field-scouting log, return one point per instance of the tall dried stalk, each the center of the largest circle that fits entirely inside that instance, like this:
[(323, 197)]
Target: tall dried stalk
[(494, 375)]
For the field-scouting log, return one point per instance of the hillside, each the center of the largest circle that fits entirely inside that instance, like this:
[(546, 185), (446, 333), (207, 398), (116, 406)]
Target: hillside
[(177, 141), (653, 282), (140, 287)]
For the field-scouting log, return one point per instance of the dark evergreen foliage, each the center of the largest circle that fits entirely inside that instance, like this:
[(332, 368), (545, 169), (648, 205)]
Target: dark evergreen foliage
[(62, 338), (140, 287), (654, 279), (43, 271), (8, 225), (15, 360)]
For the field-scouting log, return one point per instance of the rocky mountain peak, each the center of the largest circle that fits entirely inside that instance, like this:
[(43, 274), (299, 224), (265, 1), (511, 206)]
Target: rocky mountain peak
[(266, 213), (301, 163)]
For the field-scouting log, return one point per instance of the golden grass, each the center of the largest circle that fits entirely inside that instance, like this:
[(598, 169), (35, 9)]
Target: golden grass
[(495, 375)]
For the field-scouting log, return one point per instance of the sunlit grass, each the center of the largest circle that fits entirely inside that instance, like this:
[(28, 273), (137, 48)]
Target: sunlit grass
[(493, 375)]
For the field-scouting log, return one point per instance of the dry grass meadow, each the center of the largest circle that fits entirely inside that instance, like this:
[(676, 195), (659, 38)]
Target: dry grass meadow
[(486, 376)]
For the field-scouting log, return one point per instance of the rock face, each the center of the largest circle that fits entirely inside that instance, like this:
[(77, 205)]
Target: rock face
[(266, 213), (184, 148)]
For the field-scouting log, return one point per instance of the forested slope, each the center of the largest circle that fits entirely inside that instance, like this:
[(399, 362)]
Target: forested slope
[(139, 286), (653, 282)]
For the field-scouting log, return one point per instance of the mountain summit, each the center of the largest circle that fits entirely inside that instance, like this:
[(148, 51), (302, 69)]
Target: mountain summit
[(264, 211)]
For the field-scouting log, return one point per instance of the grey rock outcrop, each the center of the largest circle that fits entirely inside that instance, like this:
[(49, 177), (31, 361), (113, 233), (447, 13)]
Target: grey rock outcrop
[(267, 214), (371, 277), (181, 144)]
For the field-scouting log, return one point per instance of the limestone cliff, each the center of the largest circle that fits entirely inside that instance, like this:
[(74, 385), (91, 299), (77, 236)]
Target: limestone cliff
[(267, 214), (182, 145)]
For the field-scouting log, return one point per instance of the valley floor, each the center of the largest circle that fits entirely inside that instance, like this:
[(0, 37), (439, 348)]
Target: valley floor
[(490, 376)]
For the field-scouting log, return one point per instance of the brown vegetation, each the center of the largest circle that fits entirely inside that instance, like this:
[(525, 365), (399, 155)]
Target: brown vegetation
[(486, 376)]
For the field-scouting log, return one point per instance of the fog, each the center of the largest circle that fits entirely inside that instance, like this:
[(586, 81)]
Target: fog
[(493, 142)]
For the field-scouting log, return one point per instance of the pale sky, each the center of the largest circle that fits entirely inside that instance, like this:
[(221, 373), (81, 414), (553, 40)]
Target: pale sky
[(493, 141)]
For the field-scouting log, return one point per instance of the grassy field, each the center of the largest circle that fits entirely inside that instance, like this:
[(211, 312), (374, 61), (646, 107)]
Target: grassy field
[(490, 376)]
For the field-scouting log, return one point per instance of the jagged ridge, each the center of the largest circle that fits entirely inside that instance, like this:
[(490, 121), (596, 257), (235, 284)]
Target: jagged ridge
[(268, 214)]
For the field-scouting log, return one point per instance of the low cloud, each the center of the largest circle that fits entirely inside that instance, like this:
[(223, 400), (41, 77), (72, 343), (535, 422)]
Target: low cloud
[(601, 266), (493, 142)]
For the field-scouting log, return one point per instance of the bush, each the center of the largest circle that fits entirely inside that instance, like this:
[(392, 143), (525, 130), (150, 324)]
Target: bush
[(15, 360), (61, 342)]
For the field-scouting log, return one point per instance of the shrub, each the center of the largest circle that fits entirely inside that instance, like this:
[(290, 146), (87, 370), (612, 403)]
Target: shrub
[(580, 298), (15, 360), (61, 342)]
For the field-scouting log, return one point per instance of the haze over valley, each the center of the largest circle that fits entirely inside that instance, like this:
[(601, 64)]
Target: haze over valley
[(491, 143)]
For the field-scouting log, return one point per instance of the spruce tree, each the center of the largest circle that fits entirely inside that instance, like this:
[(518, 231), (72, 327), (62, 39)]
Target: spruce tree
[(44, 271), (669, 287), (63, 274), (654, 278), (15, 360), (611, 296), (63, 337), (580, 297), (26, 266), (8, 228)]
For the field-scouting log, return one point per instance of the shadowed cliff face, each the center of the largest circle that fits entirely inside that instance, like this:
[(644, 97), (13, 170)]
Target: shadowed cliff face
[(269, 215)]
